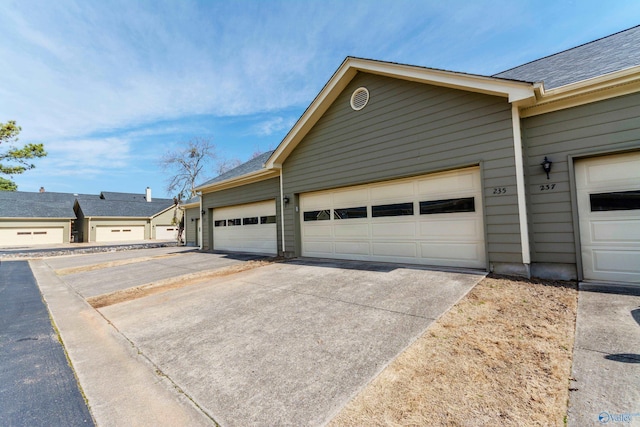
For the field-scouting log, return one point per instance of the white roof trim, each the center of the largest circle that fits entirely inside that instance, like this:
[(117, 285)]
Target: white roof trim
[(512, 90), (618, 83), (255, 176)]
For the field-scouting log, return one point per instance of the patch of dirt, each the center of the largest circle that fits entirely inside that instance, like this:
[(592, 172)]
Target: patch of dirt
[(501, 356), (173, 283)]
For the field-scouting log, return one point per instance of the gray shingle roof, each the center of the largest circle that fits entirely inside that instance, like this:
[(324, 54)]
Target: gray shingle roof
[(24, 204), (131, 197), (252, 165), (121, 208), (35, 209), (606, 55)]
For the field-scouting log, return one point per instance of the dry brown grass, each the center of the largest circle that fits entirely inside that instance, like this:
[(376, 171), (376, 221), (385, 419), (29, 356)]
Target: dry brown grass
[(172, 283), (501, 356)]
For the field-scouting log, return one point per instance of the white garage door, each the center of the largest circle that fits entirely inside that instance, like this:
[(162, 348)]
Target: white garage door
[(246, 228), (608, 190), (166, 232), (434, 220), (31, 236), (106, 233)]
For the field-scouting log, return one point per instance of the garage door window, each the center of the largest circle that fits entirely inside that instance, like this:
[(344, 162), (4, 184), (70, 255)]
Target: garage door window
[(271, 219), (250, 221), (221, 223), (322, 215), (618, 201), (397, 209), (350, 213), (232, 222), (430, 207)]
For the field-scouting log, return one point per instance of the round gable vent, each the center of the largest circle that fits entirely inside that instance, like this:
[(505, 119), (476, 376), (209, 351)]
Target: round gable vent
[(360, 98)]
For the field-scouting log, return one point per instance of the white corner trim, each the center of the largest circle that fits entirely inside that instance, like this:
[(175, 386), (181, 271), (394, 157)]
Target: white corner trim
[(200, 224), (520, 185), (282, 213)]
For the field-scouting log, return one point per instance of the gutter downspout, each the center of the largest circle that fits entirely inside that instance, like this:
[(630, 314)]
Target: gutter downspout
[(520, 186)]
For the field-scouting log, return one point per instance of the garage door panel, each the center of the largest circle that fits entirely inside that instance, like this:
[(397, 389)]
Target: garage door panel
[(397, 233), (615, 231), (616, 261), (351, 230), (245, 235), (452, 183), (395, 249), (393, 229), (318, 231), (392, 192), (447, 251), (462, 228), (315, 248), (610, 227), (352, 248), (350, 198)]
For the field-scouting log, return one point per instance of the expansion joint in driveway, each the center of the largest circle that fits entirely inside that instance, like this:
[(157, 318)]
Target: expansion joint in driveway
[(355, 303), (159, 372)]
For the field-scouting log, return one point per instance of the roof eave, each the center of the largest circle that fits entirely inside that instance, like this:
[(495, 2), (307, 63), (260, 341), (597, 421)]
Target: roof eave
[(256, 176), (514, 91), (598, 88)]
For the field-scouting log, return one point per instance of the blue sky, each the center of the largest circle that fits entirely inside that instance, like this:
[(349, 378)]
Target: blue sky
[(110, 86)]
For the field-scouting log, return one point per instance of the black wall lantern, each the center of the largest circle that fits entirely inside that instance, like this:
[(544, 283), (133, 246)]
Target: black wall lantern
[(546, 165), (285, 199), (203, 212)]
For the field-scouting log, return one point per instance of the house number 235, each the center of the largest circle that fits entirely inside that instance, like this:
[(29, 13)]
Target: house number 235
[(499, 190)]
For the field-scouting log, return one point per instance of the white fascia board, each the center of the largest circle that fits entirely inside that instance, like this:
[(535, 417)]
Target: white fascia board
[(256, 176), (515, 92), (598, 88), (190, 205)]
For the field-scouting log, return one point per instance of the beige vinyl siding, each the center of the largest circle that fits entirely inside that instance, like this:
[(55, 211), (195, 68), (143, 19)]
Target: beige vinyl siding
[(410, 129), (268, 189), (597, 128), (190, 226)]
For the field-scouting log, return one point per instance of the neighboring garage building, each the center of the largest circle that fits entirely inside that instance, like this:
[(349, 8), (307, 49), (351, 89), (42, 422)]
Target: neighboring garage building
[(408, 164), (119, 217), (35, 218)]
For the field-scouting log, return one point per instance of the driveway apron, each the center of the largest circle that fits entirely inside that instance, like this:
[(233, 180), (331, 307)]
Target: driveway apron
[(290, 343)]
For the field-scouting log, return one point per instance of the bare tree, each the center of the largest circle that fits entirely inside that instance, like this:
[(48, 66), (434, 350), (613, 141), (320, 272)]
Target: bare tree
[(186, 164), (225, 165)]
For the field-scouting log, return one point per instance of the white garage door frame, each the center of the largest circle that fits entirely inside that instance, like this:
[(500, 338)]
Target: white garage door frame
[(16, 236), (249, 228), (609, 236), (445, 228), (119, 233)]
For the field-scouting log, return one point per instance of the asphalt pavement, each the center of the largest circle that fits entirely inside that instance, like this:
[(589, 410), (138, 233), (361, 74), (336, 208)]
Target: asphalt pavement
[(37, 385)]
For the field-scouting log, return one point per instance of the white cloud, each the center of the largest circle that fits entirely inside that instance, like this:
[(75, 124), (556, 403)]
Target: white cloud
[(272, 125)]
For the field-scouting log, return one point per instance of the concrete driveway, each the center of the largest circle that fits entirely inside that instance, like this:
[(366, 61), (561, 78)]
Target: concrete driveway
[(282, 344)]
